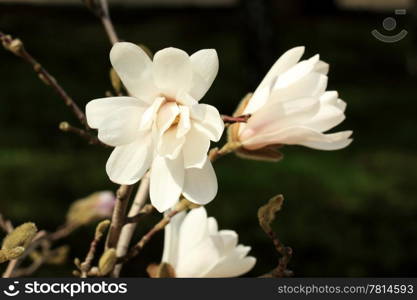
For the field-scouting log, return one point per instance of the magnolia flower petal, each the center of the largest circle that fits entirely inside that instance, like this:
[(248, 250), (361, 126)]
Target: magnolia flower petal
[(327, 118), (99, 109), (200, 185), (298, 71), (193, 230), (322, 67), (169, 145), (167, 179), (301, 136), (195, 148), (185, 98), (341, 105), (213, 227), (171, 242), (134, 68), (278, 115), (229, 238), (329, 98), (311, 85), (184, 123), (205, 64), (149, 115), (128, 163), (331, 141), (199, 260), (208, 120), (121, 127), (234, 264), (166, 116), (172, 71), (285, 62)]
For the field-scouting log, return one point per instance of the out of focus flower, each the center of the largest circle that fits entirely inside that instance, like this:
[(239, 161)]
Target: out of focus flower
[(94, 207), (194, 247), (291, 106), (161, 125)]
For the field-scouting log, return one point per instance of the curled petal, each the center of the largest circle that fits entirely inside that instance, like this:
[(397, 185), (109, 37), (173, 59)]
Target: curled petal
[(167, 115), (234, 264), (208, 120), (149, 116), (195, 148), (301, 136), (169, 145), (327, 117), (285, 62), (184, 123)]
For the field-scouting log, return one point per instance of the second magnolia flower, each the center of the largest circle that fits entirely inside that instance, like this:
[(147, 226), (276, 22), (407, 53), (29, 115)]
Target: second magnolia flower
[(161, 125)]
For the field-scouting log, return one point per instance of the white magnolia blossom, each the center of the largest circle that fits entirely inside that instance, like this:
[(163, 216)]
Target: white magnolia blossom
[(161, 125), (195, 247), (291, 106)]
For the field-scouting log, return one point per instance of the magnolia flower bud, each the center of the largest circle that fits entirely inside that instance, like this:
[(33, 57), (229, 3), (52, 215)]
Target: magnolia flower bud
[(194, 247), (8, 254), (94, 207), (21, 236), (107, 262), (291, 107)]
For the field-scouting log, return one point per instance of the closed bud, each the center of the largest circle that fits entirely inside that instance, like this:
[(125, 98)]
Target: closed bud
[(94, 207), (8, 254), (20, 237), (107, 262)]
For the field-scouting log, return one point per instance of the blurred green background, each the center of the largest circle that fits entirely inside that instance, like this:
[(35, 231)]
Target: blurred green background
[(347, 213)]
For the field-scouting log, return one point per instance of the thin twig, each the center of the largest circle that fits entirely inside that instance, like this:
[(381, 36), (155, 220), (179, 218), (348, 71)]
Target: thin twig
[(85, 266), (286, 254), (146, 210), (101, 9), (16, 46), (135, 250), (266, 215), (37, 263), (128, 229), (239, 119), (118, 217), (84, 134)]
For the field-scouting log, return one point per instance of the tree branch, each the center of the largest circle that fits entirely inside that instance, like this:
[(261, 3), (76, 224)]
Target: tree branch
[(240, 119), (16, 47), (135, 250), (118, 218), (128, 229), (101, 9), (84, 134)]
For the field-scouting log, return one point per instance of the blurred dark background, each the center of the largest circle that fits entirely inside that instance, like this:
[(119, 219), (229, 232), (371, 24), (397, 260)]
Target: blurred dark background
[(347, 213)]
